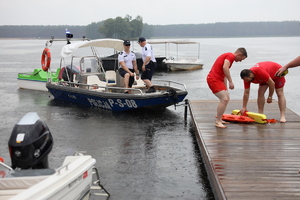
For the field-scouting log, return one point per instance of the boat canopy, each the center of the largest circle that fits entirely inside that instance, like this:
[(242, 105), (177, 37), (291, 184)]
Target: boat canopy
[(177, 42), (69, 49)]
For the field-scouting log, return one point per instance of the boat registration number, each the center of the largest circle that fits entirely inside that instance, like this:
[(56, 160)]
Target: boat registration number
[(130, 103)]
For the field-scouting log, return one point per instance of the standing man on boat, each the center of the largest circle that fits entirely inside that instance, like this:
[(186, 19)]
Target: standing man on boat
[(149, 64), (264, 74), (217, 80), (128, 66)]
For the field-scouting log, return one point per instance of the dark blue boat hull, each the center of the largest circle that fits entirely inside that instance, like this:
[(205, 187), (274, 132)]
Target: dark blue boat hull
[(115, 101)]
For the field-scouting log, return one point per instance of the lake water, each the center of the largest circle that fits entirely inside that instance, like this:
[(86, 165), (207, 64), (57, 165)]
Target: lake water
[(140, 155)]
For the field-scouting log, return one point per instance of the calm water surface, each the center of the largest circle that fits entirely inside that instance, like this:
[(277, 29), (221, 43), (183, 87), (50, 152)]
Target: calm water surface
[(140, 155)]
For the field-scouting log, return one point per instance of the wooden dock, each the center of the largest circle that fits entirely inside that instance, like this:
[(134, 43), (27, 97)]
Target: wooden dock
[(249, 161)]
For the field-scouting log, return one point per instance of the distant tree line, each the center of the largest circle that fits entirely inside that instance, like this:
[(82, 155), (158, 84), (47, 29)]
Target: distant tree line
[(230, 29), (128, 28), (40, 31)]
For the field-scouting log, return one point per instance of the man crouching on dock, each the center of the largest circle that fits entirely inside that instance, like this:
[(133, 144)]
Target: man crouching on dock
[(264, 74), (217, 80)]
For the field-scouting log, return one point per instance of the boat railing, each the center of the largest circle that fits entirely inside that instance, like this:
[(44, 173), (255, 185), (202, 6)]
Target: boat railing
[(6, 166), (171, 83), (106, 88), (62, 167)]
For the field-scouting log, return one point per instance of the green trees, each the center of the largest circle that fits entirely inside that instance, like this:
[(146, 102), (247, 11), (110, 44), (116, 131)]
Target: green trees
[(92, 30), (131, 29), (122, 28)]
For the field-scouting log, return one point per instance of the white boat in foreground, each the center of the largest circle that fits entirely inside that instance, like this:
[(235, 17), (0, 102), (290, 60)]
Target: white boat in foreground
[(29, 177), (177, 64)]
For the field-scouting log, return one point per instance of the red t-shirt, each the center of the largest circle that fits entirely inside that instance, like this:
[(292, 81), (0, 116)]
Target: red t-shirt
[(217, 69), (262, 72)]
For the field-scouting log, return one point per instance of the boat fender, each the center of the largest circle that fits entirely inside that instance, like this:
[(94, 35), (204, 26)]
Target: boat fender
[(46, 59)]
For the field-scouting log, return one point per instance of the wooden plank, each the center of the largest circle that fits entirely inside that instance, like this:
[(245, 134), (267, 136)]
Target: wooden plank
[(249, 161)]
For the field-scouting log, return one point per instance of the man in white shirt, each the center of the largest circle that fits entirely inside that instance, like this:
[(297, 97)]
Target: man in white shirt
[(149, 64), (128, 66)]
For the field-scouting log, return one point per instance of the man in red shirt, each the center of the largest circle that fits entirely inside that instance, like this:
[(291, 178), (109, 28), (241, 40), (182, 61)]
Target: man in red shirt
[(264, 74), (217, 80)]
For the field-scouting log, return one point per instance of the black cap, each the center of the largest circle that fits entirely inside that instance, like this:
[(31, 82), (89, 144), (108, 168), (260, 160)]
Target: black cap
[(141, 39), (126, 42)]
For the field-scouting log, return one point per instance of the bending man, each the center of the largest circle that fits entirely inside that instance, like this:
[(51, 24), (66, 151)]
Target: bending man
[(264, 74)]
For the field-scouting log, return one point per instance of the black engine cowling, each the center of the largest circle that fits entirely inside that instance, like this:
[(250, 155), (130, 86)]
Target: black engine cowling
[(69, 71), (30, 143)]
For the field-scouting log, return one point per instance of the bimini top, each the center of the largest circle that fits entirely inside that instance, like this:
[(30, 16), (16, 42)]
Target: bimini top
[(69, 49)]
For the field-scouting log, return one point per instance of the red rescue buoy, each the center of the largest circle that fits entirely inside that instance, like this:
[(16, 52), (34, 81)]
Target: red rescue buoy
[(237, 118), (46, 59)]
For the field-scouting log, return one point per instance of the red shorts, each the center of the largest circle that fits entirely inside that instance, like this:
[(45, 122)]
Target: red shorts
[(279, 82), (215, 85)]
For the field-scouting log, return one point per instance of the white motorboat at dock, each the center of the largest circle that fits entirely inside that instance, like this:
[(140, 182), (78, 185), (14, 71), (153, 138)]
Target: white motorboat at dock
[(30, 178)]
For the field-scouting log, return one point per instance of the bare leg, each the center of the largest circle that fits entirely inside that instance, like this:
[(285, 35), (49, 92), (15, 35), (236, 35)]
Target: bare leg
[(261, 98), (147, 82), (281, 103), (126, 81), (224, 99)]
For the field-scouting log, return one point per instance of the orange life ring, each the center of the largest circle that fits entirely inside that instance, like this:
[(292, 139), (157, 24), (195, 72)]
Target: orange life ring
[(46, 59)]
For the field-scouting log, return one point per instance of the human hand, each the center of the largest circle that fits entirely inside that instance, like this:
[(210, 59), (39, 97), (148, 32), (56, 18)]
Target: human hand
[(143, 68), (269, 100), (280, 71), (243, 110), (231, 85)]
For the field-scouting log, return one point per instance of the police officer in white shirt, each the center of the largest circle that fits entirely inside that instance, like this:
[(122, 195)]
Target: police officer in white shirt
[(128, 66), (149, 63)]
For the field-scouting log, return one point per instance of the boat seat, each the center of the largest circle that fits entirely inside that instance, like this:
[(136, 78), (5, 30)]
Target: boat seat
[(138, 83), (17, 183), (7, 194), (110, 77), (94, 80), (9, 187)]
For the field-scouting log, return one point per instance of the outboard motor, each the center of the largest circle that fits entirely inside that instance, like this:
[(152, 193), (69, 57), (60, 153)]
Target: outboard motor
[(69, 72), (30, 143)]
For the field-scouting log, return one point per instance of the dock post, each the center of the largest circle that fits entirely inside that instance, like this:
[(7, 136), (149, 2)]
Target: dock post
[(185, 109)]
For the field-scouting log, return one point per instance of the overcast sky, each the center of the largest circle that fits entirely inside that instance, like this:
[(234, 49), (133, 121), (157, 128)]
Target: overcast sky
[(153, 12)]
